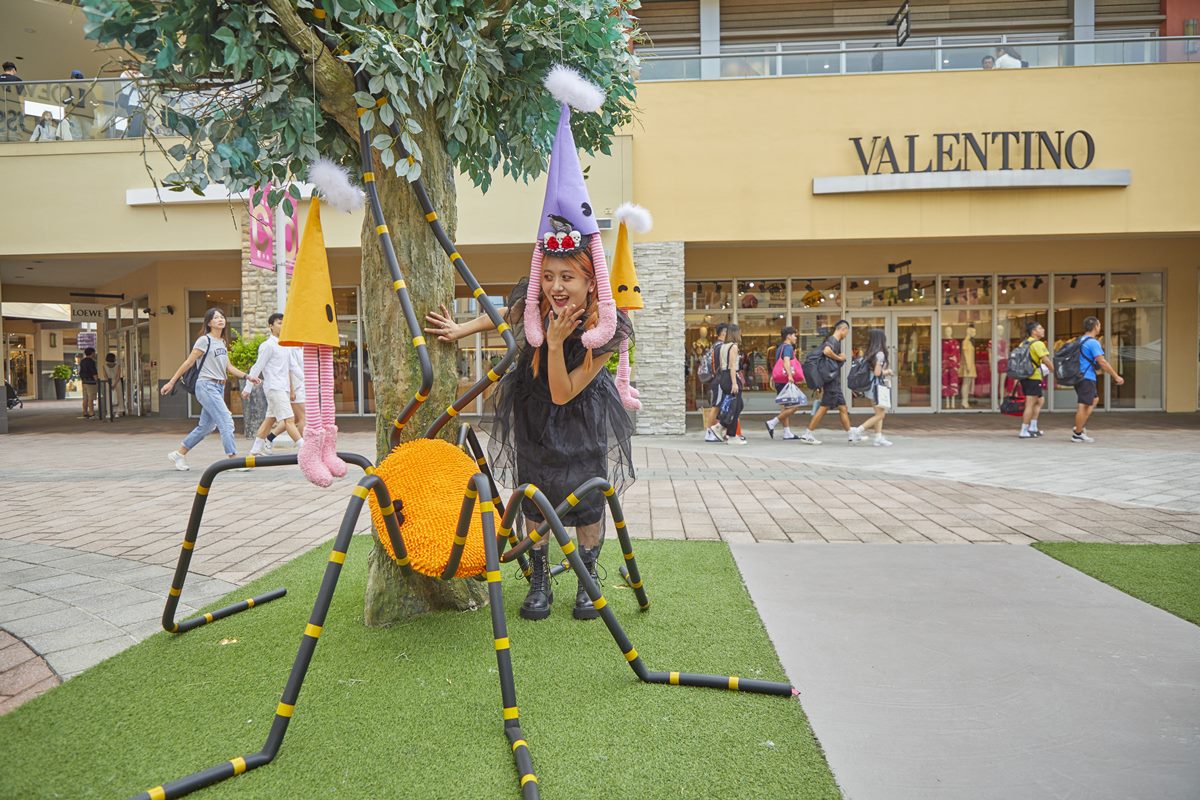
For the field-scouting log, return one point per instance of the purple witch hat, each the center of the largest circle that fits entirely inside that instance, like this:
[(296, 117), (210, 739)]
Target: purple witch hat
[(568, 223)]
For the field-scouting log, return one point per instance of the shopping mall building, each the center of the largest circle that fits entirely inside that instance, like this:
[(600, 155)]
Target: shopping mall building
[(801, 168)]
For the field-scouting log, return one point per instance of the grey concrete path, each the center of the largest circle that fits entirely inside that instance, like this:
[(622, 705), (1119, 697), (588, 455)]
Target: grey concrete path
[(933, 673)]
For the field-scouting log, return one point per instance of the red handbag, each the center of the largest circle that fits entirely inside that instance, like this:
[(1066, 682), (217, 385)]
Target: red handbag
[(779, 374)]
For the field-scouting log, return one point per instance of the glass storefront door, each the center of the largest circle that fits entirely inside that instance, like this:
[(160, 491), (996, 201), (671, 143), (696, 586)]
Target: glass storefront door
[(910, 338)]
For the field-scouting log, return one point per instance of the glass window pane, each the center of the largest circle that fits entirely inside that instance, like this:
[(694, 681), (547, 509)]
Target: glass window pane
[(967, 290), (1136, 353), (345, 301), (813, 329), (761, 294), (1068, 324), (967, 379), (713, 295), (883, 290), (760, 338), (1022, 290), (700, 332), (812, 294), (228, 301), (1010, 332), (1084, 289), (1137, 287)]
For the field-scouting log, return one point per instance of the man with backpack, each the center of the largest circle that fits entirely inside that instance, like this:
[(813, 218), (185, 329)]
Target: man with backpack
[(824, 367), (708, 367), (1030, 363), (1090, 356)]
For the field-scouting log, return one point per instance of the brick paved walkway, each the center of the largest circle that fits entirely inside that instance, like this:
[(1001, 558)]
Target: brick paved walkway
[(93, 512)]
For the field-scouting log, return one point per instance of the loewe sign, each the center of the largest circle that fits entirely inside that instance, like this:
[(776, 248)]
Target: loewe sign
[(969, 160)]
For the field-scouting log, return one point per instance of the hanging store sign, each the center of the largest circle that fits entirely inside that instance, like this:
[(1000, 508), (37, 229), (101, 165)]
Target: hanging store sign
[(87, 312), (969, 160)]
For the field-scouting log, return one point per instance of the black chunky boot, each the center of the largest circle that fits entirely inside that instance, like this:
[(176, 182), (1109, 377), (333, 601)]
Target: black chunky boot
[(538, 600), (583, 604)]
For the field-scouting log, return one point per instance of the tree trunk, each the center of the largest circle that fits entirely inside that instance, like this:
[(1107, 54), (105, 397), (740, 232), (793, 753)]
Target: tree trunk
[(395, 372)]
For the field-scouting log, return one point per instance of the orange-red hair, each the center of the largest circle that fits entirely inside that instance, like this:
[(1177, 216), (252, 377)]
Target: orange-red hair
[(581, 261)]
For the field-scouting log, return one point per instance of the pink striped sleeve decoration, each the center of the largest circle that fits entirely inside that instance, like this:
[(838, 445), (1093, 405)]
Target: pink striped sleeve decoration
[(607, 324), (533, 300)]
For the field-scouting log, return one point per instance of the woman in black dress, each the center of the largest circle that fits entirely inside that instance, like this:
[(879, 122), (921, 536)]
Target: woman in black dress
[(556, 419)]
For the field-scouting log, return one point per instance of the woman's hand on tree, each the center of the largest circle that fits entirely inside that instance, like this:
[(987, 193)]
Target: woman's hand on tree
[(563, 325), (443, 326)]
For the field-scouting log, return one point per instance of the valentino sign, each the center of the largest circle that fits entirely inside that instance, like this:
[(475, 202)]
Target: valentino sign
[(972, 160)]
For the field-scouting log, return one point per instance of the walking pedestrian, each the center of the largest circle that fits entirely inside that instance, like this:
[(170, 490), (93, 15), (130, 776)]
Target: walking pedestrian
[(110, 371), (831, 390), (788, 368), (296, 354), (1032, 386), (88, 375), (1091, 355), (881, 391), (276, 368), (729, 383), (212, 351), (710, 413)]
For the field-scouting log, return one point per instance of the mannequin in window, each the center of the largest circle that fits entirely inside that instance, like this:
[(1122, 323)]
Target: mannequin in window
[(951, 353), (967, 369)]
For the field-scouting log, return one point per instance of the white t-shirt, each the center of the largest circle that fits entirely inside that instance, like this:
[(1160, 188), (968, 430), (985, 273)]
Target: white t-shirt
[(1006, 61), (216, 364)]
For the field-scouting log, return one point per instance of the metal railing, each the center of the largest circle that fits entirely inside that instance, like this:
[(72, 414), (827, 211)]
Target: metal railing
[(101, 108), (850, 58)]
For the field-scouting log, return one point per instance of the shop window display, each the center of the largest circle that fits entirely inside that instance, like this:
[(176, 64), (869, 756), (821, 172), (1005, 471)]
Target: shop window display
[(1137, 356), (700, 334), (1079, 289), (1068, 324), (1137, 287), (967, 290), (1022, 290), (967, 335), (883, 291), (1010, 332), (708, 295), (816, 294), (762, 294), (760, 339)]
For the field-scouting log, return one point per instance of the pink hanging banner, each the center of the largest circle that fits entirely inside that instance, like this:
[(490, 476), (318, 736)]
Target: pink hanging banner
[(262, 232)]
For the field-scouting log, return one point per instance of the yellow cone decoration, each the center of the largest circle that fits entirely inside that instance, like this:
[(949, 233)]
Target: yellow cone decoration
[(626, 290), (309, 317)]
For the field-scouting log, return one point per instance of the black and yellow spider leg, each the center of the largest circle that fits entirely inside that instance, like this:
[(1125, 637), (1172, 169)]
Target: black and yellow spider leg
[(733, 683), (508, 690), (172, 625), (629, 570), (308, 644), (467, 436)]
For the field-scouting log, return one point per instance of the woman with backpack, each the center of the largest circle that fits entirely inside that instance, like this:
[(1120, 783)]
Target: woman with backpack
[(729, 385), (876, 358), (708, 361), (787, 372), (212, 351)]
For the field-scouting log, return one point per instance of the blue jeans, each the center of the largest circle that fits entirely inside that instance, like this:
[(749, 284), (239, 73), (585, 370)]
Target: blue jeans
[(213, 416)]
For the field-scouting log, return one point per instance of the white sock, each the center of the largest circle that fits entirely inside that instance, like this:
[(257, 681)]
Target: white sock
[(258, 444), (787, 428), (300, 441), (772, 422), (1033, 425), (1024, 428)]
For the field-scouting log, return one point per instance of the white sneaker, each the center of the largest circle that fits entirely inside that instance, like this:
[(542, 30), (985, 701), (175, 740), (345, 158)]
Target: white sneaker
[(178, 460), (808, 438), (736, 440), (787, 434), (718, 431), (855, 435), (1026, 435), (771, 425), (882, 442), (1081, 437), (267, 448), (709, 436)]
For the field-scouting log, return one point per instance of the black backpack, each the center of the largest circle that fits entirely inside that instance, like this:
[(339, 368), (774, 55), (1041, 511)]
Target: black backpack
[(1020, 362), (188, 379), (1067, 369), (814, 374), (861, 377)]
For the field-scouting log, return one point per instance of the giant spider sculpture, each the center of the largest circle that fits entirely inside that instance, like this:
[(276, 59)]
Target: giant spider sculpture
[(420, 531)]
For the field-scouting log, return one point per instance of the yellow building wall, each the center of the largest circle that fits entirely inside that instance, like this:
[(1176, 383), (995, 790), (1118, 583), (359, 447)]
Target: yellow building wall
[(734, 160)]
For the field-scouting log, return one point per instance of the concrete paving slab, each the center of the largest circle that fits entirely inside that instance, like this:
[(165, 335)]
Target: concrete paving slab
[(934, 673)]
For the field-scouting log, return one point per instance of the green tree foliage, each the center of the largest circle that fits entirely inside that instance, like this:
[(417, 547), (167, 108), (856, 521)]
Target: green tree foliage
[(257, 95)]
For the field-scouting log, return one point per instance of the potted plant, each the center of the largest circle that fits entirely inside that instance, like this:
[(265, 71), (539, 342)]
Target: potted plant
[(60, 375), (242, 354)]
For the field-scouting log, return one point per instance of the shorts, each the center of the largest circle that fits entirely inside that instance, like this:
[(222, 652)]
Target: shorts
[(89, 392), (1085, 392), (1032, 387), (714, 393), (831, 395), (299, 396), (278, 405)]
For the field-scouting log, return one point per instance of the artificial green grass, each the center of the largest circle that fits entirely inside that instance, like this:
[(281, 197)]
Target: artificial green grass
[(414, 710), (1163, 575)]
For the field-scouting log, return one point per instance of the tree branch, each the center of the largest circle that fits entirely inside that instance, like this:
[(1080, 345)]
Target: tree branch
[(335, 83), (503, 6)]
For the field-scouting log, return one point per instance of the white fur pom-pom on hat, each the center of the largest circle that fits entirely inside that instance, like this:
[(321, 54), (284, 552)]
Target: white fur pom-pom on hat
[(637, 218), (569, 87), (333, 182)]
